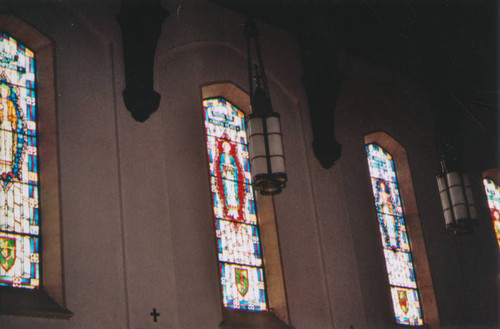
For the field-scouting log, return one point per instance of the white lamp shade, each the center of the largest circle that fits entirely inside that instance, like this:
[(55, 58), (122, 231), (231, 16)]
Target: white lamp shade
[(273, 125), (256, 146), (456, 198), (445, 200), (278, 165), (267, 160), (254, 126), (275, 145), (259, 166)]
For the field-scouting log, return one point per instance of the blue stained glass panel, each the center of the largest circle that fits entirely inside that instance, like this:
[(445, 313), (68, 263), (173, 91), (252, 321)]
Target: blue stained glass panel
[(492, 190), (238, 243), (395, 242), (393, 232), (233, 162), (233, 201), (19, 201), (400, 268), (388, 200), (224, 120), (238, 240)]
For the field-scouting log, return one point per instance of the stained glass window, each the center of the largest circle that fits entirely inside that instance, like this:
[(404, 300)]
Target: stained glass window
[(395, 243), (235, 215), (19, 212), (493, 195)]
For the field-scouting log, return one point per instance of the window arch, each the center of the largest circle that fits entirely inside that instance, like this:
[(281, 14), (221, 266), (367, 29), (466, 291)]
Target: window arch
[(264, 236), (491, 178), (19, 199), (408, 271), (395, 242), (238, 238), (31, 102)]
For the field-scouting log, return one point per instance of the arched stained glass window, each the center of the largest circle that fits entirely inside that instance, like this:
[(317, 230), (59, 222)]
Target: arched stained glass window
[(395, 242), (235, 215), (19, 212), (493, 195)]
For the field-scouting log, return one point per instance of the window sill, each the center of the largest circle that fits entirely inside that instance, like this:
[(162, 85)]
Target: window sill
[(234, 319), (34, 303)]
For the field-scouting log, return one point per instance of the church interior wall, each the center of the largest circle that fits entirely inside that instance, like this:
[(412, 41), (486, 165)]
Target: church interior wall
[(371, 100), (137, 220)]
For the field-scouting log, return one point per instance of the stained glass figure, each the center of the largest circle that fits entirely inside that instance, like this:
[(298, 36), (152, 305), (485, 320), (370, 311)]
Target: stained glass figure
[(235, 215), (19, 188), (398, 258), (493, 195)]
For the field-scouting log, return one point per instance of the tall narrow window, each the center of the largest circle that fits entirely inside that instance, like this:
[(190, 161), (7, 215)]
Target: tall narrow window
[(235, 215), (395, 242), (493, 195), (19, 213)]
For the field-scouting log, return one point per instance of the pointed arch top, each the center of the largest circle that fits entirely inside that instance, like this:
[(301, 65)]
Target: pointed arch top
[(229, 91), (276, 313), (49, 300), (386, 141), (413, 222), (493, 173), (24, 32)]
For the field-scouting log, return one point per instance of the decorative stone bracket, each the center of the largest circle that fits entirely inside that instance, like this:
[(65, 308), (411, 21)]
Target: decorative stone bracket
[(322, 83), (140, 21)]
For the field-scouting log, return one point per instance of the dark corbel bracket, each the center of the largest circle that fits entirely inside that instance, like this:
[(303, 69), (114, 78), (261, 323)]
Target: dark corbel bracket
[(322, 84), (140, 21)]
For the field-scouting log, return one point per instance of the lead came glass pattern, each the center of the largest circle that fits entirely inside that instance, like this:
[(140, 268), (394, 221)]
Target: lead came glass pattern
[(493, 195), (397, 253), (19, 189), (235, 215)]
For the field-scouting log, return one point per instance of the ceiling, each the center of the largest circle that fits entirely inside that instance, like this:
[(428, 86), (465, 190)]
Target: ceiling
[(448, 46)]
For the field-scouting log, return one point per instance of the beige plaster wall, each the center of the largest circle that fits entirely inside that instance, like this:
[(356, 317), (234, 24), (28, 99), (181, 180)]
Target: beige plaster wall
[(136, 209), (187, 66), (375, 100), (137, 226)]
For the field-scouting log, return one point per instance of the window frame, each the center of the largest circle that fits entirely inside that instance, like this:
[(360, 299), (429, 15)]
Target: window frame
[(413, 224), (241, 184), (277, 315), (49, 299)]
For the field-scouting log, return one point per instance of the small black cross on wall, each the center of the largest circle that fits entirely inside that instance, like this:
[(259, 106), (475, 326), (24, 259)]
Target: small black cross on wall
[(155, 315)]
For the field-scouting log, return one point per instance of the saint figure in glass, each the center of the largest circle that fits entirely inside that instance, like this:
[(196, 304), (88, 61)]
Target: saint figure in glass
[(395, 243), (238, 241)]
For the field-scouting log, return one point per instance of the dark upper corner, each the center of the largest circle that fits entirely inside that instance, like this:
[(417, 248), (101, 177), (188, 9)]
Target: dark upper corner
[(448, 47)]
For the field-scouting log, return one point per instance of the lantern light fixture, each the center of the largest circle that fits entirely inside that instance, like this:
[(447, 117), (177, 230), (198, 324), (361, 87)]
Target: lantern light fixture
[(265, 143), (457, 200)]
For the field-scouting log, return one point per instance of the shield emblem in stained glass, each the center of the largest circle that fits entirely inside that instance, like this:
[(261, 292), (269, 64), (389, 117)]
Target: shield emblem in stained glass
[(403, 301), (7, 252), (12, 133), (241, 277)]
